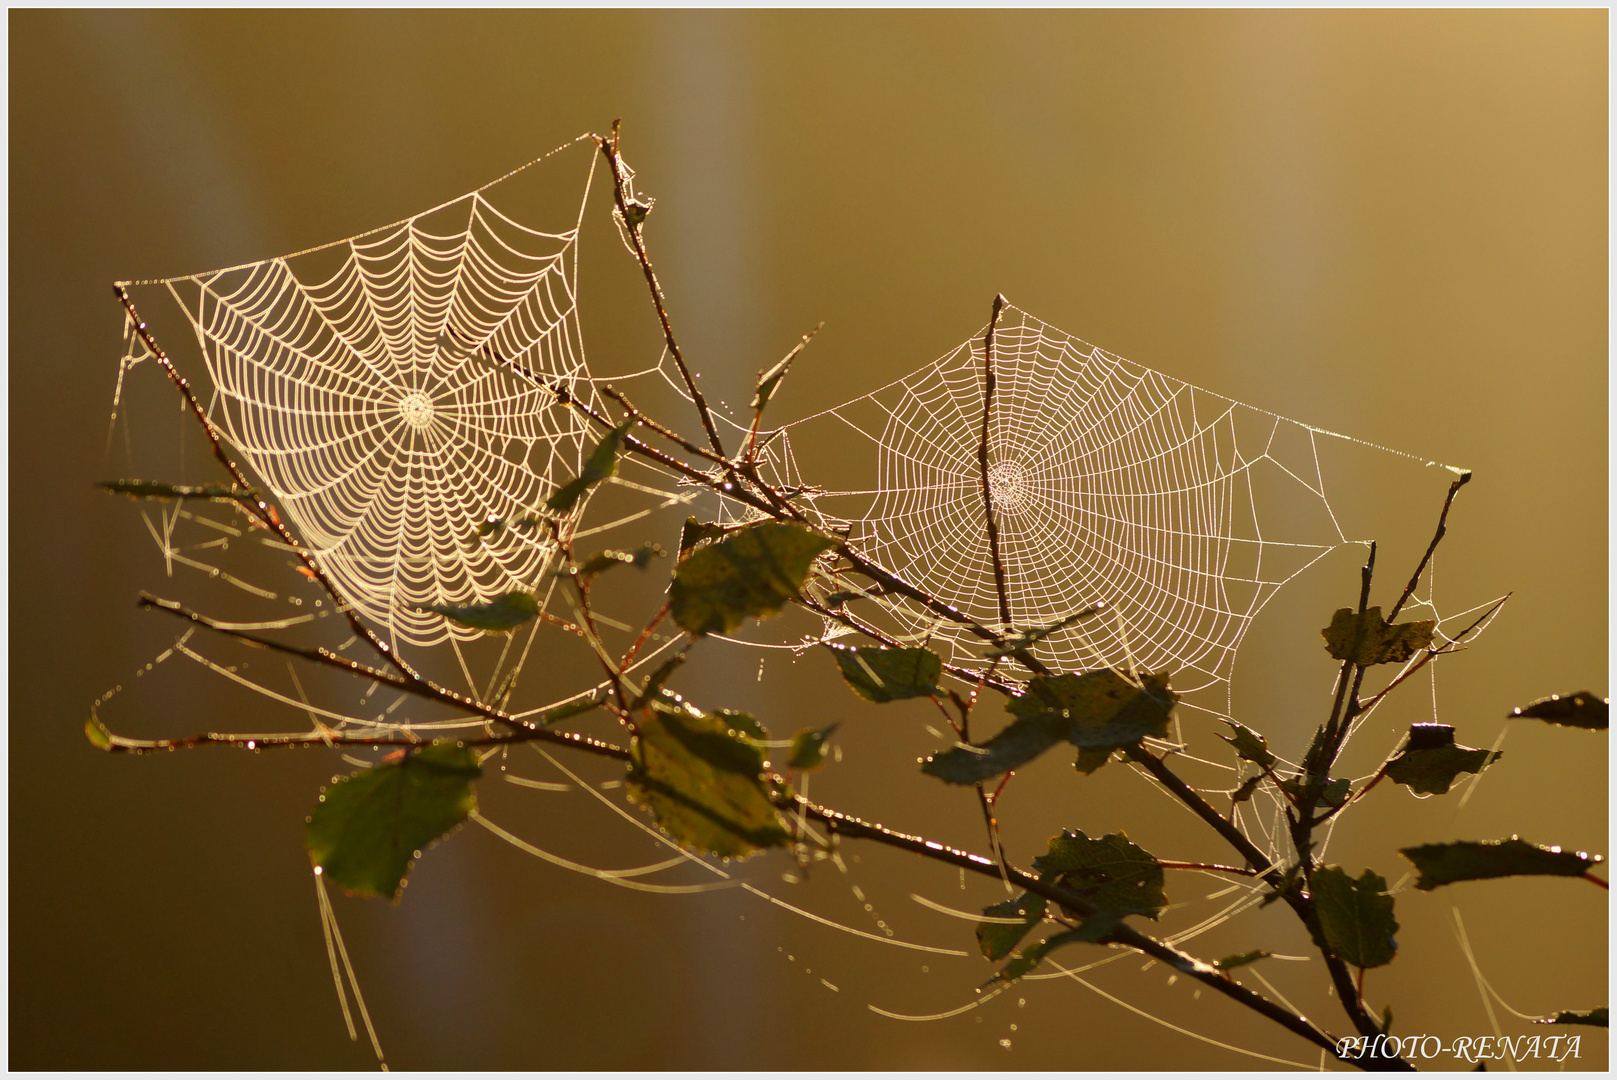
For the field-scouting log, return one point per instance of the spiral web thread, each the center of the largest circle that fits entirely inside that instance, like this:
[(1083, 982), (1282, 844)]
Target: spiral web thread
[(393, 391)]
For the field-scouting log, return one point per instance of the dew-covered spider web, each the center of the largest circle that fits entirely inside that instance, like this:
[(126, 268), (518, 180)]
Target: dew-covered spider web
[(404, 397), (397, 390), (1175, 512)]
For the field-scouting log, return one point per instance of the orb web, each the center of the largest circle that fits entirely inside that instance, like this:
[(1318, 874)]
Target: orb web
[(392, 390), (1179, 510)]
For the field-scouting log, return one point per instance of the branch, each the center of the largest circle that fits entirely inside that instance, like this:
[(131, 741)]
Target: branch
[(1437, 538), (260, 509), (982, 466), (632, 219)]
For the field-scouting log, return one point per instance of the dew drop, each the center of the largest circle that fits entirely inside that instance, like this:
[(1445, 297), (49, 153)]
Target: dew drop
[(1006, 1043)]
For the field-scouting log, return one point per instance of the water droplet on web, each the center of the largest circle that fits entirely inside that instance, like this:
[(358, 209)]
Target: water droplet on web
[(1006, 1043)]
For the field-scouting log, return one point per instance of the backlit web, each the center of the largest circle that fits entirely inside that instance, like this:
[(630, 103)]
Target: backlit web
[(1180, 511), (392, 390)]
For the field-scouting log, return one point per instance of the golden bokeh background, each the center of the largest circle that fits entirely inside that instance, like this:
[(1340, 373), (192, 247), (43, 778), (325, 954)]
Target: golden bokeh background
[(1387, 224)]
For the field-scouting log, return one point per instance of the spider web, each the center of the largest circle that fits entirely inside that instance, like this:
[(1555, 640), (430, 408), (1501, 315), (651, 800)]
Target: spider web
[(394, 391), (1177, 511)]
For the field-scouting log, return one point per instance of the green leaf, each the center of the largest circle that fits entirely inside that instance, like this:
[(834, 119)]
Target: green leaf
[(606, 560), (370, 827), (701, 781), (809, 748), (1250, 745), (156, 489), (1593, 1018), (1091, 758), (694, 532), (1112, 873), (769, 380), (1582, 709), (742, 724), (1356, 916), (1331, 793), (997, 939), (1244, 792), (1431, 760), (1230, 963), (1096, 711), (1369, 640), (1029, 958), (499, 615), (752, 572), (1469, 860), (602, 463), (881, 674), (1016, 745), (1102, 709)]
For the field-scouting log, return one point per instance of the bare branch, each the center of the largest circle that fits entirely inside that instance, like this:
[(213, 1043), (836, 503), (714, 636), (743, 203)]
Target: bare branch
[(632, 222)]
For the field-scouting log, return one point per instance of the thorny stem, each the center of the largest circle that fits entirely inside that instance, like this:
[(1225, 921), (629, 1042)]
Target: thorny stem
[(982, 466), (632, 221)]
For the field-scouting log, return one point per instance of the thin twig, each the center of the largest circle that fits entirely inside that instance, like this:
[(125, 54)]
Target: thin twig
[(260, 509), (982, 467), (1437, 538), (632, 221)]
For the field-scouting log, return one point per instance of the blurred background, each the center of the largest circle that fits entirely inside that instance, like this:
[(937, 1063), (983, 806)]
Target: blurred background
[(1387, 224)]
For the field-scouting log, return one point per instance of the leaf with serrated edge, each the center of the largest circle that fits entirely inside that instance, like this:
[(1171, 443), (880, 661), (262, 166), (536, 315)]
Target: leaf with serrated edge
[(701, 782), (1331, 793), (997, 939), (1431, 760), (1356, 916), (1102, 709), (1371, 640), (368, 827), (753, 572), (1582, 709), (1091, 758), (1250, 745), (1015, 746), (694, 532), (881, 674), (1097, 711), (500, 615), (1590, 1017), (1113, 873), (1471, 860)]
